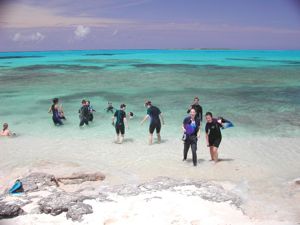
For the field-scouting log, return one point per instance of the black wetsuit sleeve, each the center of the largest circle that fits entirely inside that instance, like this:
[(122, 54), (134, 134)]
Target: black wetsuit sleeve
[(201, 113), (206, 128), (116, 114)]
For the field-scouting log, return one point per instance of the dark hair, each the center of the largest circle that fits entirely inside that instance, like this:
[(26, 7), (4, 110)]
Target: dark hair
[(131, 113), (148, 103), (55, 100), (208, 114), (196, 97), (83, 101), (122, 106)]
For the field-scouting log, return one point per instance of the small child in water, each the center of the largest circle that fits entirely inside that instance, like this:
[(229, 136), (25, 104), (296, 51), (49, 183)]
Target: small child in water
[(6, 132), (110, 107)]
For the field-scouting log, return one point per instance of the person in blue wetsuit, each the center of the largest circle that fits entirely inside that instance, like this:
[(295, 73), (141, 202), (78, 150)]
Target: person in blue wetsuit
[(120, 117), (156, 119), (191, 129), (54, 109)]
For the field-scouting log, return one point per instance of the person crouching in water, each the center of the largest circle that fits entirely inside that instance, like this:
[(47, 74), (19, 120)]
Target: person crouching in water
[(120, 117), (54, 109), (191, 129), (6, 132), (156, 118), (84, 114), (213, 135), (91, 110)]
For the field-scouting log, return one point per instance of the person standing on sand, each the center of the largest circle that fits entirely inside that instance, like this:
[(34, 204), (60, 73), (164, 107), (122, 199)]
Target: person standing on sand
[(84, 114), (156, 119), (213, 135), (191, 129), (120, 117), (195, 105)]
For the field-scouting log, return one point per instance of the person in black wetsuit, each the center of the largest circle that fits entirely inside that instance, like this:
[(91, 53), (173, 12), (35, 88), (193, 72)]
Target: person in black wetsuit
[(84, 114), (213, 135), (109, 108), (54, 109), (156, 118), (195, 105), (91, 111), (191, 129), (120, 117)]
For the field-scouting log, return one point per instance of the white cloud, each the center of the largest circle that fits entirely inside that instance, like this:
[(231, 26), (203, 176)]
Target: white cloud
[(81, 31), (34, 37), (26, 16)]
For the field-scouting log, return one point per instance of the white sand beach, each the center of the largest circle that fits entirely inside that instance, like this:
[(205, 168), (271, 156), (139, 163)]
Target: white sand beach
[(257, 171)]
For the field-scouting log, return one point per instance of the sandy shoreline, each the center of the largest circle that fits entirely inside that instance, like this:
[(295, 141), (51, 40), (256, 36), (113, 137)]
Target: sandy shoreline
[(258, 171)]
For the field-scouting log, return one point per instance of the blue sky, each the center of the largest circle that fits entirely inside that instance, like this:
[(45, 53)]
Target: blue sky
[(27, 25)]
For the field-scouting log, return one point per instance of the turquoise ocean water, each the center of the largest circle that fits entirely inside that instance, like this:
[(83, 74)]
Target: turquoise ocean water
[(257, 90)]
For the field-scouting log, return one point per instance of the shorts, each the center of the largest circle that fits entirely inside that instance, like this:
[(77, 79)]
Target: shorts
[(120, 129), (57, 121), (154, 126), (215, 142)]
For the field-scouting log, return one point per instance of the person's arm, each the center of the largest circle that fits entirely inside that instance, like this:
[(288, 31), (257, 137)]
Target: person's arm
[(206, 136), (183, 128), (126, 123), (50, 109), (113, 120), (201, 113), (189, 109), (162, 118), (145, 118), (207, 142)]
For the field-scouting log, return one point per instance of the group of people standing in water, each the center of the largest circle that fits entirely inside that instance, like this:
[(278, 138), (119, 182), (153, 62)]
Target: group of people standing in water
[(191, 125)]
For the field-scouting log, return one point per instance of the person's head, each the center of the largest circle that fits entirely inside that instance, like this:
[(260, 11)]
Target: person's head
[(122, 106), (109, 103), (83, 102), (131, 114), (196, 100), (209, 117), (88, 102), (148, 104), (193, 113), (55, 101), (5, 126)]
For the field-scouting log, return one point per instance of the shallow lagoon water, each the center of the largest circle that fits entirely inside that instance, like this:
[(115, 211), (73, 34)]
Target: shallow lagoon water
[(257, 90)]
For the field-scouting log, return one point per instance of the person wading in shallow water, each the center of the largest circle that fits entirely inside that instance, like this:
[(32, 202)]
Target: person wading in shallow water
[(84, 114), (195, 105), (191, 129), (156, 119), (120, 117)]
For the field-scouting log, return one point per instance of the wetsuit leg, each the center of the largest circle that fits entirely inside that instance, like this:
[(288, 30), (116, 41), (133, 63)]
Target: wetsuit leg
[(194, 149), (186, 147)]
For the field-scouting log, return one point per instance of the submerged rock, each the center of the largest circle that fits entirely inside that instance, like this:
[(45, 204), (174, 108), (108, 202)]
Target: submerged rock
[(78, 178), (10, 210)]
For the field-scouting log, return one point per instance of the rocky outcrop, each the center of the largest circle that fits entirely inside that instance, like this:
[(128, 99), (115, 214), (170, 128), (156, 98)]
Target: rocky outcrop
[(10, 210), (43, 191)]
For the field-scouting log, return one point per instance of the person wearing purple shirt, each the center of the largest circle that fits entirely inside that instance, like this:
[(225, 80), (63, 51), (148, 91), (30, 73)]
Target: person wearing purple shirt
[(191, 129)]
